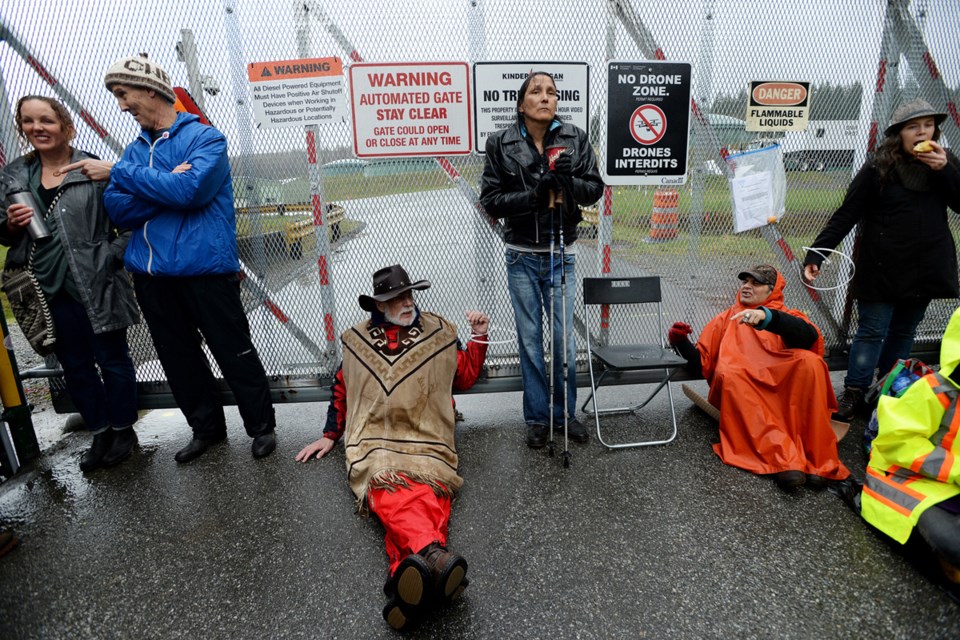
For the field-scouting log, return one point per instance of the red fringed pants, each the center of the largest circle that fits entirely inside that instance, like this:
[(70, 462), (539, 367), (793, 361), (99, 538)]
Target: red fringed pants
[(413, 518)]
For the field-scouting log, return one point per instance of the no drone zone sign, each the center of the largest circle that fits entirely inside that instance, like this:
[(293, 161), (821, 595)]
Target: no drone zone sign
[(648, 123)]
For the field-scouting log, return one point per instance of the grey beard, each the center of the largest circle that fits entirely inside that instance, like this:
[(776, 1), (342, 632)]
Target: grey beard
[(392, 319)]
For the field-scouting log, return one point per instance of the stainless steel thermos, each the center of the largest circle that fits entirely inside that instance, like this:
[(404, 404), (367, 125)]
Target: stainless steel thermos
[(37, 228)]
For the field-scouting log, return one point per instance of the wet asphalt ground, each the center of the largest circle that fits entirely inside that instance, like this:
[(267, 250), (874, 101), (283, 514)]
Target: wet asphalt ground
[(661, 542)]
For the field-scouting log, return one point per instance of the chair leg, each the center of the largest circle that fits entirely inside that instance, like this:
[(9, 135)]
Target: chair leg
[(641, 443)]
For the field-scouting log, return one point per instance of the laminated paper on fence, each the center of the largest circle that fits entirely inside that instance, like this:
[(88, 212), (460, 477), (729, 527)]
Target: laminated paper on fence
[(315, 221)]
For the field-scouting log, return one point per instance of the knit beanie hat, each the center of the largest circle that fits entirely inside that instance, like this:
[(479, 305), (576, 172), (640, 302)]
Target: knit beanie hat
[(137, 71)]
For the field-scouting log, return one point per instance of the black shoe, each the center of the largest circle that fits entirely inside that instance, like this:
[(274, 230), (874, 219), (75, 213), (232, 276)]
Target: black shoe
[(789, 479), (849, 491), (575, 430), (196, 448), (124, 440), (536, 435), (850, 403), (7, 542), (93, 458), (816, 482), (264, 444)]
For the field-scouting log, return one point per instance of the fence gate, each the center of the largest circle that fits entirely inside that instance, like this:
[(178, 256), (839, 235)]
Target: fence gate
[(314, 220)]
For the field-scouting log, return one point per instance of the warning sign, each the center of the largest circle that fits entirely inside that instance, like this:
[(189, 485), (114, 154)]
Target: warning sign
[(495, 87), (778, 106), (411, 109), (648, 122), (294, 93)]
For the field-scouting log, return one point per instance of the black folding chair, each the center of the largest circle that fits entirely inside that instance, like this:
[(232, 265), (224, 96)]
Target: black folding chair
[(643, 294)]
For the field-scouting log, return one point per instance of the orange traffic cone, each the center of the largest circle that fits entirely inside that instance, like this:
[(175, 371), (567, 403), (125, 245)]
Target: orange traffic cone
[(665, 220)]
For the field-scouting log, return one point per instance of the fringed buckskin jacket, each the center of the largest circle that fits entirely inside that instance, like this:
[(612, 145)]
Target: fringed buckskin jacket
[(393, 398)]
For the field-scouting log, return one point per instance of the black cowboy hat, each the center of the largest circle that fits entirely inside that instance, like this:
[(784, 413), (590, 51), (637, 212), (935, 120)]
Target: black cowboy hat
[(388, 283)]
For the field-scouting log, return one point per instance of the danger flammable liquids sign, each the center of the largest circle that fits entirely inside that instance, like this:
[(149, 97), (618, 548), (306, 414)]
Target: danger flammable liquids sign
[(648, 123), (778, 106), (294, 93)]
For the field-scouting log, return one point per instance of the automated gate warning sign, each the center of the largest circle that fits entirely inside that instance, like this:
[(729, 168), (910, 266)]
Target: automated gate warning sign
[(294, 93), (411, 109), (648, 122)]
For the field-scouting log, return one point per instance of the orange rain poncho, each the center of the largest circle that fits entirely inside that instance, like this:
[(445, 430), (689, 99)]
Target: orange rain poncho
[(775, 403)]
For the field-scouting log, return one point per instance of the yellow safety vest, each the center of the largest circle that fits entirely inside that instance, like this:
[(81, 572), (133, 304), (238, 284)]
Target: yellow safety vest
[(914, 460)]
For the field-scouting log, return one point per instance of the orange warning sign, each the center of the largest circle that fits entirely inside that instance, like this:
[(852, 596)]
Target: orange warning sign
[(293, 69)]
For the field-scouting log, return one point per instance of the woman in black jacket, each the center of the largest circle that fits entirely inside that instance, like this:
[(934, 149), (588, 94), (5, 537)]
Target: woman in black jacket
[(906, 255), (537, 203), (80, 270)]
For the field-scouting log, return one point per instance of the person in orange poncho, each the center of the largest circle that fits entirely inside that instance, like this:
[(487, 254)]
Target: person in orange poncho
[(764, 363)]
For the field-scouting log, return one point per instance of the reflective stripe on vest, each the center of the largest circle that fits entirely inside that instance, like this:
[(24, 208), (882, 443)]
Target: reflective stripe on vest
[(892, 490), (937, 463)]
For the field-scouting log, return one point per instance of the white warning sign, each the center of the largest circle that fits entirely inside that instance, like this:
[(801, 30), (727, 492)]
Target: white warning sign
[(294, 93), (411, 109), (496, 85)]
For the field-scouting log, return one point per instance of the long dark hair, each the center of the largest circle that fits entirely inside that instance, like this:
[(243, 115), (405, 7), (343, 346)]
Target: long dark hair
[(890, 152), (526, 85)]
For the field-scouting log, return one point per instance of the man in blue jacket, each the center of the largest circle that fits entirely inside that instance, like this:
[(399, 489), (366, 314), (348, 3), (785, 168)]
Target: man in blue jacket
[(172, 187)]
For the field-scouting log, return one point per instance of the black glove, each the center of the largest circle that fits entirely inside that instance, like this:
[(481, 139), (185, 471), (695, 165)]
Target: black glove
[(563, 165), (548, 182)]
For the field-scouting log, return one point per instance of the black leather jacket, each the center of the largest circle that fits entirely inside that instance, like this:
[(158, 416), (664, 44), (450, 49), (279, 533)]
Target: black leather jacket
[(513, 169), (906, 250)]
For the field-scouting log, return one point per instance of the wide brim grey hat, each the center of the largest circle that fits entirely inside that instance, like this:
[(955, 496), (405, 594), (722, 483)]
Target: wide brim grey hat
[(138, 71), (762, 273), (388, 283), (918, 108)]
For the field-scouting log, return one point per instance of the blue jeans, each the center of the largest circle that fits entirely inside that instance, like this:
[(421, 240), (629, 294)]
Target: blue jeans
[(885, 333), (107, 398), (529, 283)]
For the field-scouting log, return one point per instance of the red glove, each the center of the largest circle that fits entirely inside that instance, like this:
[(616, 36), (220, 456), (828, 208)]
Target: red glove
[(678, 333)]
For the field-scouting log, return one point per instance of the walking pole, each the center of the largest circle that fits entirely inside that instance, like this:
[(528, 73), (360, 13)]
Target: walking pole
[(553, 235), (563, 336), (556, 199)]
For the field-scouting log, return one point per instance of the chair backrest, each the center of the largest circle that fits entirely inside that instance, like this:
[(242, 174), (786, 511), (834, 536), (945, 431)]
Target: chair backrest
[(621, 290)]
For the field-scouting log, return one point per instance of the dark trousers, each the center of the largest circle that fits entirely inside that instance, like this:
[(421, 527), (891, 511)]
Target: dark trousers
[(941, 529), (181, 310), (104, 398)]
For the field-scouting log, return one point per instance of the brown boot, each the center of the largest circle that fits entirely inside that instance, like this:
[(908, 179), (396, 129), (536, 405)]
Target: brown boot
[(449, 571), (410, 593)]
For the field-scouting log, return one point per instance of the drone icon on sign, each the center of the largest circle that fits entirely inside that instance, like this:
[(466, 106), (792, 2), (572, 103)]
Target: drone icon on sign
[(648, 123)]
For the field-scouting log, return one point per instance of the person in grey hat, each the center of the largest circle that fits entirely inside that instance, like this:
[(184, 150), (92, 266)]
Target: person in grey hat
[(905, 255), (391, 402), (172, 188)]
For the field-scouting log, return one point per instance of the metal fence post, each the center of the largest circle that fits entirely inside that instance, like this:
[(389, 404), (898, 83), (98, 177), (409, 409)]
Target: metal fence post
[(16, 411)]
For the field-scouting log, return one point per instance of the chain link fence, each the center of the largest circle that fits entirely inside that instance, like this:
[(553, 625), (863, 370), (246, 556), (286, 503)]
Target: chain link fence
[(314, 221)]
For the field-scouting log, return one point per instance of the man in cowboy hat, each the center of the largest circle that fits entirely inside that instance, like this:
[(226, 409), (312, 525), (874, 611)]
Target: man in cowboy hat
[(391, 398), (764, 363)]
